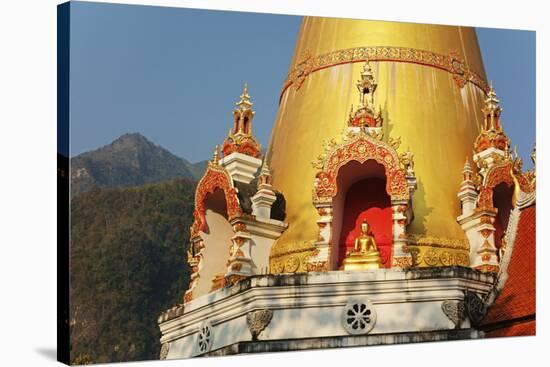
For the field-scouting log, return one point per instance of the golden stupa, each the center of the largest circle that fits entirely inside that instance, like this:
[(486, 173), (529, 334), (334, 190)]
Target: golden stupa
[(431, 90)]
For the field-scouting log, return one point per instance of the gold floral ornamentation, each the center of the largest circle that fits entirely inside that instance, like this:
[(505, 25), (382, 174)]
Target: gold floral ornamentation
[(446, 258), (291, 257), (304, 67), (277, 266), (427, 256), (403, 262), (452, 63), (442, 242), (292, 264), (319, 266), (431, 258)]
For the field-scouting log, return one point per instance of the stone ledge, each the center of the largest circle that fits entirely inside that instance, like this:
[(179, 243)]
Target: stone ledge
[(287, 345), (322, 278)]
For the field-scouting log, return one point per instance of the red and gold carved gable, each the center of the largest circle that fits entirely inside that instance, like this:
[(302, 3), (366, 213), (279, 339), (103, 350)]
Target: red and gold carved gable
[(243, 144), (491, 139), (501, 173), (215, 177), (361, 149)]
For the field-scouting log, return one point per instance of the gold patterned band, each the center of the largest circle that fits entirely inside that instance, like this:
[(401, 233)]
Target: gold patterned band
[(452, 63)]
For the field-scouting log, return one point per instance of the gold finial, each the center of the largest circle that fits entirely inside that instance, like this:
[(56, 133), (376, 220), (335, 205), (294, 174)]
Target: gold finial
[(244, 102), (366, 85), (492, 110), (534, 156), (216, 155)]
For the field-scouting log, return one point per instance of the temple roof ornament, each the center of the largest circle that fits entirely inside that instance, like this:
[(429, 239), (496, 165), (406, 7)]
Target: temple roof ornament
[(491, 134), (365, 114), (216, 157), (264, 178), (240, 138), (469, 175)]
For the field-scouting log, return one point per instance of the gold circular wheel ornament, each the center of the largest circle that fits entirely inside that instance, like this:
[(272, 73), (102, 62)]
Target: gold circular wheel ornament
[(292, 264)]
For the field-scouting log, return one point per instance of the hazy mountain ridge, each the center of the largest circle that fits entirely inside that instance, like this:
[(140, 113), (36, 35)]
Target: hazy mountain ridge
[(130, 160)]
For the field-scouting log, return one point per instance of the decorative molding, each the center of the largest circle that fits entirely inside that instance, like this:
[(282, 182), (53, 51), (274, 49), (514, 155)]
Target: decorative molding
[(452, 63), (164, 349), (440, 242), (359, 316), (204, 337), (317, 266), (257, 321), (476, 309), (454, 310)]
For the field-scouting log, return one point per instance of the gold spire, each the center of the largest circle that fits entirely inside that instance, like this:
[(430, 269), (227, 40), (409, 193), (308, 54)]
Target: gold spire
[(264, 179), (491, 134), (367, 85), (492, 110), (216, 158), (467, 170), (240, 138), (244, 103), (365, 113)]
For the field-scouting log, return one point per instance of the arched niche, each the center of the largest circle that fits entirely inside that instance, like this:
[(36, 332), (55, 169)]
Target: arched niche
[(333, 181), (502, 202), (216, 240), (362, 196), (216, 204)]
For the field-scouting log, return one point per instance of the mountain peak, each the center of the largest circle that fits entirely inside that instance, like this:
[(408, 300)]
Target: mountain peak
[(130, 160), (134, 137)]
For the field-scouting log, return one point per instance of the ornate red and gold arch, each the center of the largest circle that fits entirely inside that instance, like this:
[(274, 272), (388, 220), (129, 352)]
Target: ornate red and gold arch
[(500, 173), (215, 177), (360, 146), (360, 149)]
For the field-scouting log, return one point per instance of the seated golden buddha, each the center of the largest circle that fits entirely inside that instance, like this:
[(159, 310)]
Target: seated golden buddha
[(365, 254)]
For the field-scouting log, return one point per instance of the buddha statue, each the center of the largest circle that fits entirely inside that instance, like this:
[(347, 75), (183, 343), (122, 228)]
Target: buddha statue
[(365, 254)]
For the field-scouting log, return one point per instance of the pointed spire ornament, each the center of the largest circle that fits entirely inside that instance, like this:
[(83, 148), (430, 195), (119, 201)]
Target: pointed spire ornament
[(492, 134), (264, 179), (492, 110), (240, 138), (216, 157), (467, 171), (365, 114), (366, 85), (244, 102)]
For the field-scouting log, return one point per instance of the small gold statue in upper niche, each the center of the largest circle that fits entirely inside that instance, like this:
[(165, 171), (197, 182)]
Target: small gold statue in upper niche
[(365, 254)]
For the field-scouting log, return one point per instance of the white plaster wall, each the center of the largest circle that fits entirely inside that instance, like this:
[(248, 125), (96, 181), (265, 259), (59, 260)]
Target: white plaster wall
[(216, 251), (259, 252), (315, 309)]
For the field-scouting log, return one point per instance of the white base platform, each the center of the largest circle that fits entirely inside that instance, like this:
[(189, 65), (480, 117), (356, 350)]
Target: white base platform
[(311, 311)]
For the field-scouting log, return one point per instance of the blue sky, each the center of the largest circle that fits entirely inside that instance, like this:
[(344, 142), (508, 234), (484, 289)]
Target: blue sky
[(174, 74)]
